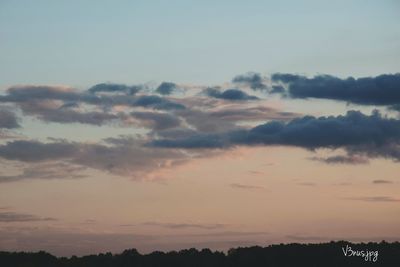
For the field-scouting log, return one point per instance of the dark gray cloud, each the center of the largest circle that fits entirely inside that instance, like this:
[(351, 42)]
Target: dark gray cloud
[(157, 102), (32, 92), (254, 80), (57, 97), (277, 89), (381, 182), (220, 120), (230, 94), (380, 90), (70, 116), (119, 156), (11, 217), (68, 105), (347, 159), (375, 199), (166, 88), (196, 141), (115, 88), (8, 120), (390, 150), (372, 135), (252, 114), (35, 151), (53, 112), (157, 121), (46, 171), (65, 105), (178, 132)]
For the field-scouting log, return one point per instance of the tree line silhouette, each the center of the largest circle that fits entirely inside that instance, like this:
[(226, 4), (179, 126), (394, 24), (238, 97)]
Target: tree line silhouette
[(283, 255)]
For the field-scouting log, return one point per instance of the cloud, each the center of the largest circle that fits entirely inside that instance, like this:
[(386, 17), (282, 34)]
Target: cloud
[(185, 225), (166, 88), (246, 187), (46, 171), (157, 102), (196, 141), (380, 90), (51, 111), (8, 134), (186, 122), (115, 88), (395, 107), (381, 182), (11, 217), (35, 151), (27, 94), (215, 120), (37, 94), (202, 122), (349, 159), (66, 105), (252, 114), (306, 184), (32, 92), (8, 120), (219, 120), (359, 134), (230, 94), (375, 199), (157, 121), (277, 89), (251, 79), (119, 156)]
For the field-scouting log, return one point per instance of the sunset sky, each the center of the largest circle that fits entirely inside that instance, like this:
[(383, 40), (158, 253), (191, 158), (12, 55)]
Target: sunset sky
[(163, 125)]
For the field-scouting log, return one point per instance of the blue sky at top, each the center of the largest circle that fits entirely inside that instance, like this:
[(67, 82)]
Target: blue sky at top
[(81, 43)]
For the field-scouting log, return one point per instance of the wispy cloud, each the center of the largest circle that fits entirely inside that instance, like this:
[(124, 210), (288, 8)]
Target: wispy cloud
[(307, 184), (11, 217), (382, 182), (46, 171), (375, 199), (349, 159), (185, 225), (246, 186)]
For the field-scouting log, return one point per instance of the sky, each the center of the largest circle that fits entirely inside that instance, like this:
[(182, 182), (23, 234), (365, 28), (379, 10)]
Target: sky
[(164, 125)]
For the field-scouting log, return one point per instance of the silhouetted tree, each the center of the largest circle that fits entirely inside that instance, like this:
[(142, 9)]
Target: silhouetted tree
[(282, 255)]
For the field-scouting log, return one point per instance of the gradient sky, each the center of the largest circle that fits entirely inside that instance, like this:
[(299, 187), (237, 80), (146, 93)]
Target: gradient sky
[(165, 125)]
